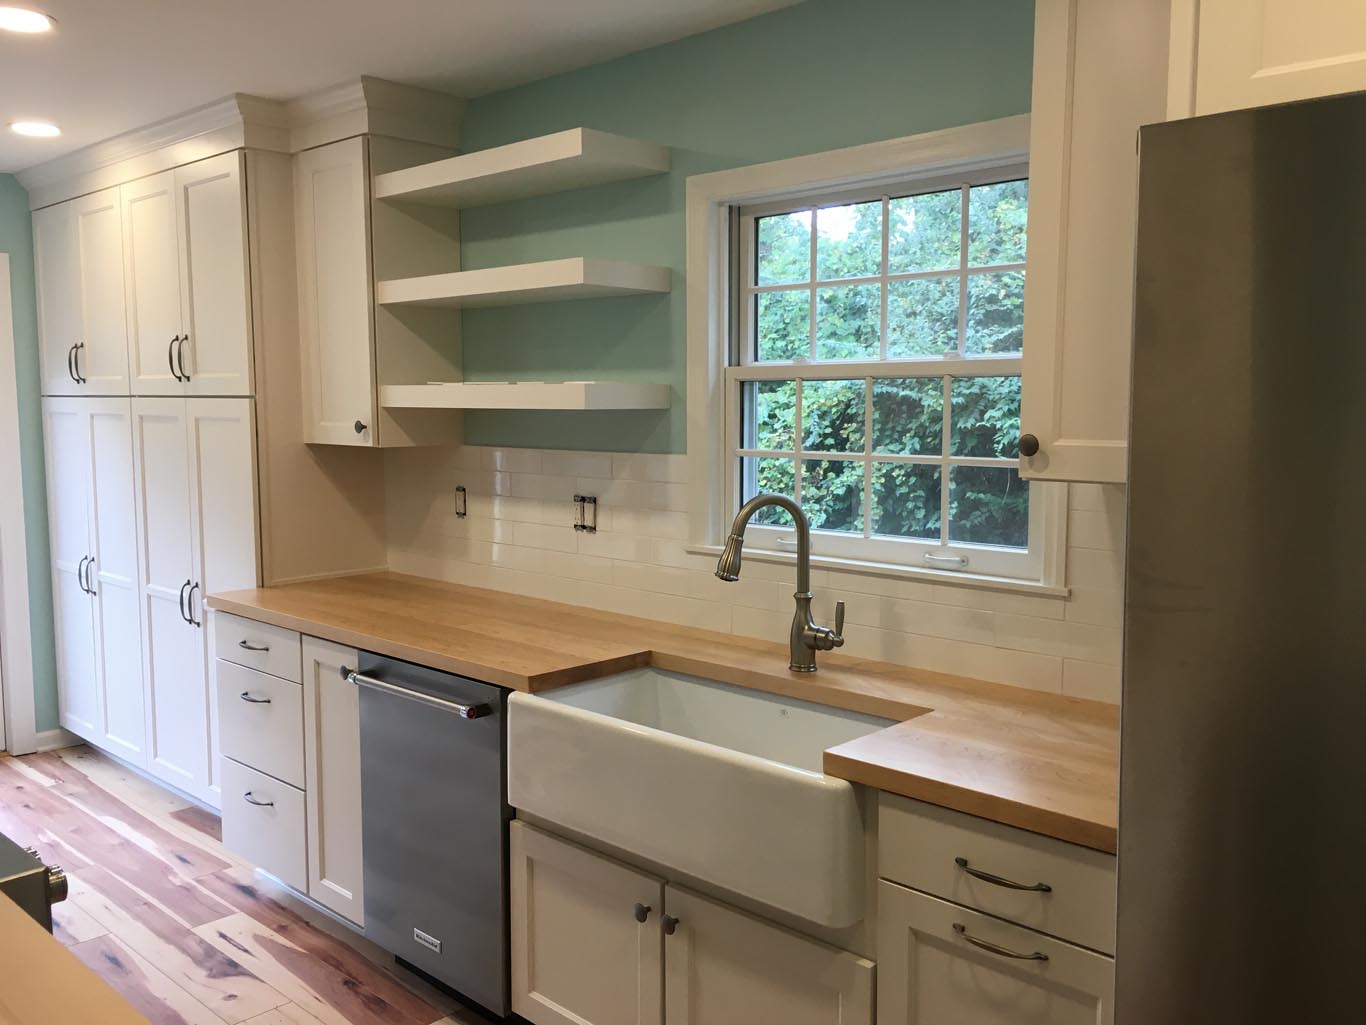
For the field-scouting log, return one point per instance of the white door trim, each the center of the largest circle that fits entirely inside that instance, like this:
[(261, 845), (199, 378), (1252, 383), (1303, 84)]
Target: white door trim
[(16, 640)]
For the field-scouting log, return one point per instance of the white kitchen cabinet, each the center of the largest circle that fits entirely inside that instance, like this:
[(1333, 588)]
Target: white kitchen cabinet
[(331, 744), (67, 439), (263, 821), (1231, 54), (1099, 73), (95, 571), (723, 966), (587, 945), (336, 316), (185, 256), (941, 964), (78, 248), (194, 461), (58, 273)]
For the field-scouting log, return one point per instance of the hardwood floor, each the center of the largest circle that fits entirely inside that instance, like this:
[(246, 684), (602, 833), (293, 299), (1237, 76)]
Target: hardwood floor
[(187, 932)]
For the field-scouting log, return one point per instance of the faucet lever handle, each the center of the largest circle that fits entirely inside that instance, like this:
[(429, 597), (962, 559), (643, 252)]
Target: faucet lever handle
[(839, 619)]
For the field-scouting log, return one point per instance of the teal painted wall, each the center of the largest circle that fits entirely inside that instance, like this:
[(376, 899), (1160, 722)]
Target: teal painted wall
[(16, 239), (819, 76)]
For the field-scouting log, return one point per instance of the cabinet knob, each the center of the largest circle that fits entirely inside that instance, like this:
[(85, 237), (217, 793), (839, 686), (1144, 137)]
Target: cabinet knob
[(642, 912), (670, 924), (1029, 445), (361, 428)]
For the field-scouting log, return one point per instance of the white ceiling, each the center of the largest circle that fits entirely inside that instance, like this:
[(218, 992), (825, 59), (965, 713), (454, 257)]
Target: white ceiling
[(114, 65)]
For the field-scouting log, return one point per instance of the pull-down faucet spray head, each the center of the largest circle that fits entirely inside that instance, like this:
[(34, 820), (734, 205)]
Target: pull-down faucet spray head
[(728, 566)]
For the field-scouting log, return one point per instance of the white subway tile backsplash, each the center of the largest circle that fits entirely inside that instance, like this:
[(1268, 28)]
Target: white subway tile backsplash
[(518, 537)]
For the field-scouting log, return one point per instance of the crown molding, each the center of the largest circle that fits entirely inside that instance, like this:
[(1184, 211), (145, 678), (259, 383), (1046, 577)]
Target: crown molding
[(363, 105)]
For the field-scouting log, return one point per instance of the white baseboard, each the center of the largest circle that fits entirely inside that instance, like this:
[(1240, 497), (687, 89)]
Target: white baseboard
[(51, 740)]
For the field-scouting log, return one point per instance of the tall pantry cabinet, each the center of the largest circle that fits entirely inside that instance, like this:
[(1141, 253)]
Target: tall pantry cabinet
[(146, 319)]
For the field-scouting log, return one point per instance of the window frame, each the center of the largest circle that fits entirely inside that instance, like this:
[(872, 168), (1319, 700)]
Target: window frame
[(743, 367), (987, 151)]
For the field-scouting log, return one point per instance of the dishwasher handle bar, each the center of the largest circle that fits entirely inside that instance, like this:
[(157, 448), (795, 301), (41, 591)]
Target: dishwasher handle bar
[(463, 711)]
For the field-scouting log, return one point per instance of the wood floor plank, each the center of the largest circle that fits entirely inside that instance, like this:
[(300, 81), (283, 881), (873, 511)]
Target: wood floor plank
[(142, 985), (188, 859), (72, 924), (362, 974), (285, 1014), (212, 977), (330, 995), (99, 843)]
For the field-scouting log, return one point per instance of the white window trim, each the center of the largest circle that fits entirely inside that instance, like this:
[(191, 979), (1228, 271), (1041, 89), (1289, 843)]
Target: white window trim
[(710, 198)]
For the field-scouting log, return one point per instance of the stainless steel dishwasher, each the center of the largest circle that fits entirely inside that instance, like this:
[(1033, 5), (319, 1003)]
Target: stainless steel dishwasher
[(433, 786)]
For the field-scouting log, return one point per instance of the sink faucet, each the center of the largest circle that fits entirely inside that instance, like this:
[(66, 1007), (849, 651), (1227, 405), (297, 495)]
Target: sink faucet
[(806, 637)]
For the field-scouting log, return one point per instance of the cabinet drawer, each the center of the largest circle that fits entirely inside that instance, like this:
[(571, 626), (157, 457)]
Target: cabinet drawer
[(261, 722), (937, 850), (263, 822), (270, 649)]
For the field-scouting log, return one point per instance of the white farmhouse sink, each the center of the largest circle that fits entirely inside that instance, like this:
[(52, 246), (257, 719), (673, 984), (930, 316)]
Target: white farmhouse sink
[(719, 782)]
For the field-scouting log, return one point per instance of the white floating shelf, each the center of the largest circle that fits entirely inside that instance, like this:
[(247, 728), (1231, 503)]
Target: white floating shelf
[(525, 395), (551, 163), (550, 281)]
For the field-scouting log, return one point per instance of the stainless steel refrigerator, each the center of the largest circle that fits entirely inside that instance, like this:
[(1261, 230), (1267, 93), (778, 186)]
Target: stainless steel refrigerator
[(1242, 860)]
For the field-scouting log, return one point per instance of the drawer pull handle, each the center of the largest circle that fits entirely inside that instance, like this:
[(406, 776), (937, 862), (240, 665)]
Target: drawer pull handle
[(250, 799), (993, 948), (996, 880), (248, 646), (246, 696)]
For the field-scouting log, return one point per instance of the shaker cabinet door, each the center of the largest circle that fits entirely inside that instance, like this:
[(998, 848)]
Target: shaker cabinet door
[(941, 964), (586, 938), (1099, 73), (332, 775), (152, 278), (723, 966), (101, 357), (58, 272), (336, 318), (211, 205), (1232, 54)]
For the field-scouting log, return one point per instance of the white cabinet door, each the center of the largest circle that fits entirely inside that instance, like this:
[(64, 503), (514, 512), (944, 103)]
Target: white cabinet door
[(101, 357), (586, 939), (940, 964), (152, 278), (332, 779), (1099, 73), (58, 272), (173, 650), (113, 577), (222, 450), (66, 438), (336, 318), (1230, 54), (723, 967), (215, 300)]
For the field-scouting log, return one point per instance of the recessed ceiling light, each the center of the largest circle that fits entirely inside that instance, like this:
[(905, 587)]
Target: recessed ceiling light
[(37, 129), (21, 19)]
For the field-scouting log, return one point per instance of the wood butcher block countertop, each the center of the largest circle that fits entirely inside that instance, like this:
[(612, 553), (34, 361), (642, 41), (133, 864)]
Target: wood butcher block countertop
[(1027, 759)]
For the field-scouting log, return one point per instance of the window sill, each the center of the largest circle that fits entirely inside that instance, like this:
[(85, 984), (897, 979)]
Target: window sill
[(887, 569)]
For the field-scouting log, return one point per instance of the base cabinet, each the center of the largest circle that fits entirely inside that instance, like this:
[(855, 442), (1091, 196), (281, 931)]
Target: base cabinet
[(596, 942), (941, 964), (332, 779)]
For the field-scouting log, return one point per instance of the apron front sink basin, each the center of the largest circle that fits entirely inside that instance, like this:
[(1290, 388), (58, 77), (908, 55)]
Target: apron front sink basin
[(716, 781)]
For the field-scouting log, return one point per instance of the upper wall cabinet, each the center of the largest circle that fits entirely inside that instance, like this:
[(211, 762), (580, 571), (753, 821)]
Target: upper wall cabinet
[(349, 347), (78, 251), (1230, 54), (1099, 73), (185, 259)]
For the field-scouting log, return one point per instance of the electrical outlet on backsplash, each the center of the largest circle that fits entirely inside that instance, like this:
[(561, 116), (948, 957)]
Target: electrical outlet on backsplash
[(518, 536)]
